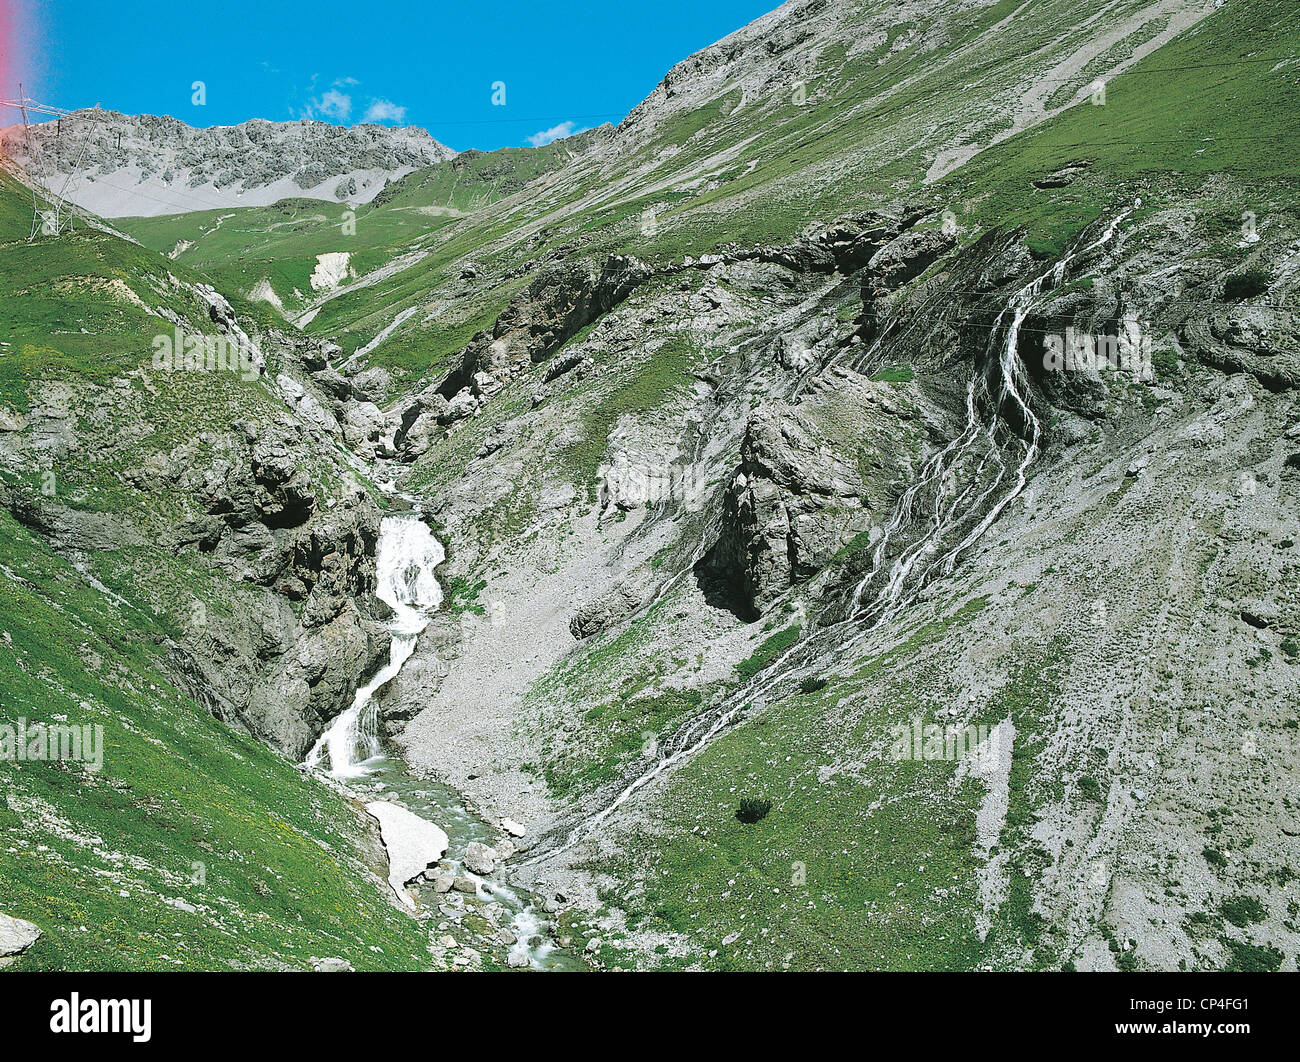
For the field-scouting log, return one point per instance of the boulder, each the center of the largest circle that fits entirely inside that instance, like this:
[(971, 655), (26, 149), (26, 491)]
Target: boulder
[(461, 405), (16, 936), (334, 384), (363, 423), (371, 385), (480, 858), (416, 440), (603, 612), (562, 299)]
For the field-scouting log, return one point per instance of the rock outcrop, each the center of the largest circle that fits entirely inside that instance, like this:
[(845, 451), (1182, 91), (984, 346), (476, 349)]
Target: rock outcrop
[(555, 306), (16, 936), (807, 486), (283, 671)]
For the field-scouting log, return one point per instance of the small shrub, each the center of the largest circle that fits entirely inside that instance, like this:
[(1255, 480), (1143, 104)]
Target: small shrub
[(1246, 285), (1203, 922), (812, 685), (1251, 958), (1241, 911), (1090, 788), (1164, 362), (1214, 857), (752, 809)]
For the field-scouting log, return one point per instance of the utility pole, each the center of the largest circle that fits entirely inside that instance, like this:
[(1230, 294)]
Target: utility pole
[(53, 222)]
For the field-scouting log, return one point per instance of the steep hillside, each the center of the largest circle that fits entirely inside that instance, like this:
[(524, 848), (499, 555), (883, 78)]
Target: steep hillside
[(168, 579), (868, 477), (643, 454), (814, 111), (192, 846)]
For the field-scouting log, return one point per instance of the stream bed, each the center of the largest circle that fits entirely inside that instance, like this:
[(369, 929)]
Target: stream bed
[(495, 924), (474, 921)]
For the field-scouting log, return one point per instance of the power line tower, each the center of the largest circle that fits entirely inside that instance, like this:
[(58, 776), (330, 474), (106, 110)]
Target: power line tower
[(61, 212)]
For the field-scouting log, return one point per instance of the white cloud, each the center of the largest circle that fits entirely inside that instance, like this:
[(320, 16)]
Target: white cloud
[(332, 104), (556, 132), (384, 111)]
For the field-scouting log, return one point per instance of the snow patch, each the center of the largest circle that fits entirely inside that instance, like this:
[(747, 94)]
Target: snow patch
[(413, 844), (992, 767)]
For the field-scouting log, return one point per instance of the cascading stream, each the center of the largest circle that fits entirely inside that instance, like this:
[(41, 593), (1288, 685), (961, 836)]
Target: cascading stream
[(405, 560), (1007, 392), (406, 557), (979, 443)]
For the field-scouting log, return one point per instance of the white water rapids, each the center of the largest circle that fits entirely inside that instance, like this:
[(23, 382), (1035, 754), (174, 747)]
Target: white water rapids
[(405, 559), (404, 563)]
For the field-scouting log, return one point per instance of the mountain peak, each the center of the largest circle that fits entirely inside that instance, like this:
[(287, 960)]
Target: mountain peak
[(120, 165)]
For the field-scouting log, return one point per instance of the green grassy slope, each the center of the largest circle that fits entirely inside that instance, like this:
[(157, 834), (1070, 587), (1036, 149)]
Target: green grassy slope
[(185, 811), (1224, 99), (869, 867), (194, 847), (239, 247)]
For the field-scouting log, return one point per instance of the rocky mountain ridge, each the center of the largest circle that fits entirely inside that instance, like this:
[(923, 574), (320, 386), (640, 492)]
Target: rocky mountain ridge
[(771, 471), (119, 165)]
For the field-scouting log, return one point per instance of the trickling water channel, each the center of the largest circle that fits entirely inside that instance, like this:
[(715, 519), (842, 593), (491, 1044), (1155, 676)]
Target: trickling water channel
[(994, 391), (350, 750)]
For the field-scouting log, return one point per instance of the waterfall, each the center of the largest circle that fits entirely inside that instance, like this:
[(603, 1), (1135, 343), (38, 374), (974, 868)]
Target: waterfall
[(985, 445), (405, 560), (981, 444)]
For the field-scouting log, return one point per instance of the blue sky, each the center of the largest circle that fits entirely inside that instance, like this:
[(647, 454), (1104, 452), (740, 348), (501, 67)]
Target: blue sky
[(426, 64)]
